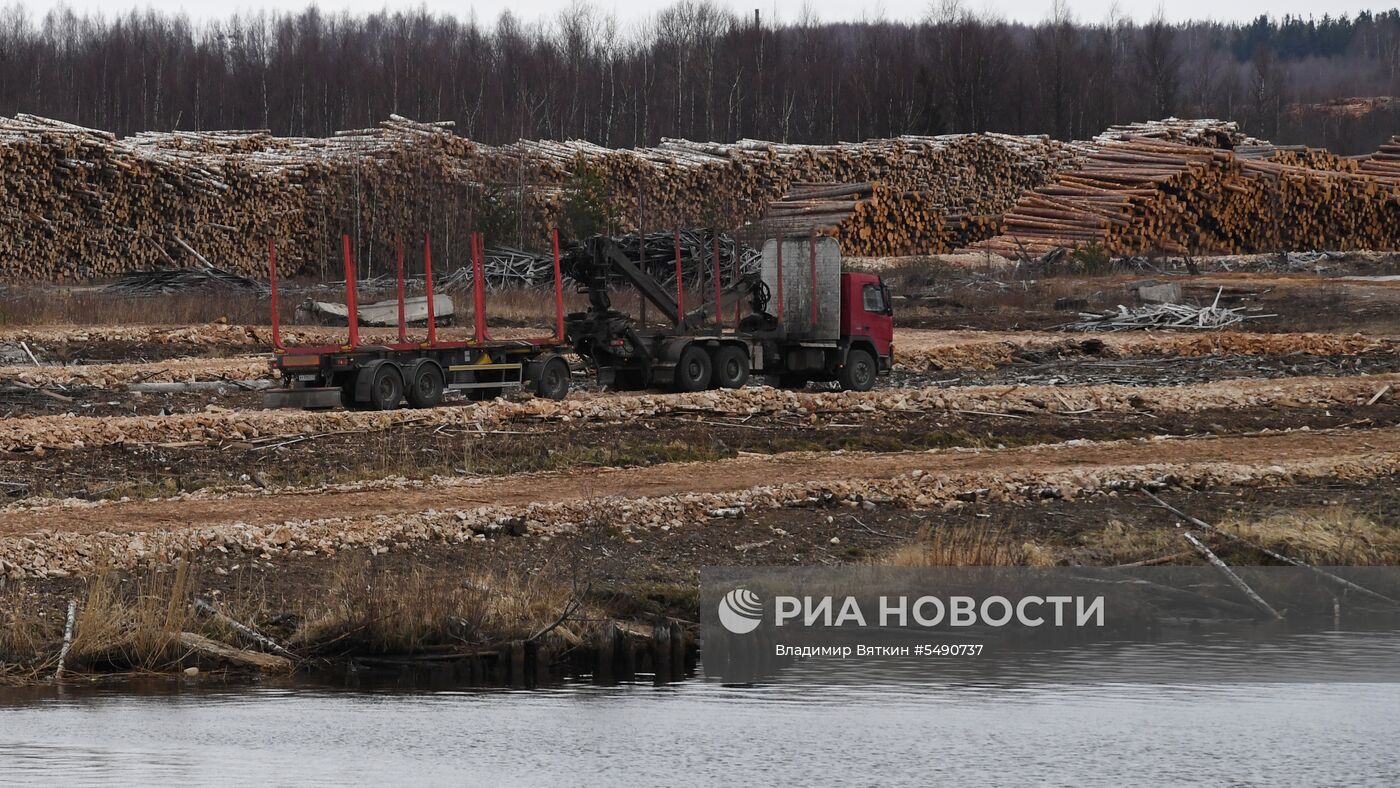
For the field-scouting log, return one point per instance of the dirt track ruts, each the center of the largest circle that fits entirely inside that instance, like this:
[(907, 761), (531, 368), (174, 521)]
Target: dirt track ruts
[(692, 478), (84, 536), (70, 431)]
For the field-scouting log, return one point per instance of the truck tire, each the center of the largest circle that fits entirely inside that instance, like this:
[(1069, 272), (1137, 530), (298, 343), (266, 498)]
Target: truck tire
[(731, 368), (693, 369), (347, 392), (858, 373), (386, 388), (424, 389), (553, 381)]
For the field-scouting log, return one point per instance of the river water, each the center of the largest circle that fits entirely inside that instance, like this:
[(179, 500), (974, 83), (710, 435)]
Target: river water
[(695, 732)]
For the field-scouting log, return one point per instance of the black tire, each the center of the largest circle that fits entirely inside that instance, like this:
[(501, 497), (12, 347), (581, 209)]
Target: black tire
[(789, 380), (386, 388), (425, 389), (630, 379), (693, 369), (859, 371), (731, 368), (553, 380), (347, 392)]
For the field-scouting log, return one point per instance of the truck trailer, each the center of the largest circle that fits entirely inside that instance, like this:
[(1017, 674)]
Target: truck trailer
[(384, 376)]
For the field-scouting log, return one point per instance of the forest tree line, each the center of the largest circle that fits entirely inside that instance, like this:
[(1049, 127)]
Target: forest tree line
[(697, 70)]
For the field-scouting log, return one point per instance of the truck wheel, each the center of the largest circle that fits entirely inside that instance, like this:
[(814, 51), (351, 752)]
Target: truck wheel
[(693, 369), (731, 368), (553, 382), (858, 373), (347, 391), (386, 389), (425, 389)]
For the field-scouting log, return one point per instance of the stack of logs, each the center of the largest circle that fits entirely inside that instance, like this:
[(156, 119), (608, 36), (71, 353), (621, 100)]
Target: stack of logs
[(935, 194), (1142, 196), (1384, 163), (78, 203)]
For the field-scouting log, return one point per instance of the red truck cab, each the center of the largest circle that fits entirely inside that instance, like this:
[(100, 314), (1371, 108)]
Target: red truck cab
[(867, 316)]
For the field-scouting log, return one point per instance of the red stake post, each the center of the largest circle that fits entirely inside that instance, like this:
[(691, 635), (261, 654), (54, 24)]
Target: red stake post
[(352, 305), (403, 325), (272, 283), (558, 291), (737, 314), (478, 286), (428, 289), (780, 280), (812, 296), (714, 254), (680, 282)]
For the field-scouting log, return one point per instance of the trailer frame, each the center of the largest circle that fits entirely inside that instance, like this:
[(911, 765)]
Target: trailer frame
[(382, 376)]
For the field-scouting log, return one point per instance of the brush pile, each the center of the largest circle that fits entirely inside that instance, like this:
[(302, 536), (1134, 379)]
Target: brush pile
[(153, 283), (1165, 316)]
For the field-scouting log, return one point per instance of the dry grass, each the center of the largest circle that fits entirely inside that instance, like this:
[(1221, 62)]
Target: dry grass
[(368, 610), (966, 546), (1123, 543), (1335, 535), (88, 307), (130, 626), (119, 626)]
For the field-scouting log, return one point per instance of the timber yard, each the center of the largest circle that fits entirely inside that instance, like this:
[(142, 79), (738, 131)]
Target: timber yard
[(1169, 313)]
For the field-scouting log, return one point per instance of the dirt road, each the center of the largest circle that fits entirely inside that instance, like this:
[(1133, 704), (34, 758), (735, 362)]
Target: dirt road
[(954, 469)]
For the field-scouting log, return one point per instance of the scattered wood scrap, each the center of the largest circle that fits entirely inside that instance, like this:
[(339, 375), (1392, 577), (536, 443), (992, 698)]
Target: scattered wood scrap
[(1166, 316)]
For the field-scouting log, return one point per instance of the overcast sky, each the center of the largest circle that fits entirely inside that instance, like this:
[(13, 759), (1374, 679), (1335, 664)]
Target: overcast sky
[(1022, 10)]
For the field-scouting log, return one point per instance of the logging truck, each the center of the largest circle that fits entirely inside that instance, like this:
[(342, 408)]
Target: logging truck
[(806, 320)]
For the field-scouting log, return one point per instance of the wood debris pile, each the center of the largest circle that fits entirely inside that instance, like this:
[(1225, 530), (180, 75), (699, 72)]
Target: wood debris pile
[(153, 283), (1164, 316)]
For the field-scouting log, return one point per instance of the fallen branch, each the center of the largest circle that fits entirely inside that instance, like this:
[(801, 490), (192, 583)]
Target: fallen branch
[(570, 608), (213, 648), (243, 629), (30, 353), (1230, 575), (67, 638), (1277, 556)]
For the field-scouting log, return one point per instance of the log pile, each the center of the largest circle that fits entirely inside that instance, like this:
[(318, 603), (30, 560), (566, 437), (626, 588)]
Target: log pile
[(1384, 163), (1142, 196), (933, 194), (79, 204)]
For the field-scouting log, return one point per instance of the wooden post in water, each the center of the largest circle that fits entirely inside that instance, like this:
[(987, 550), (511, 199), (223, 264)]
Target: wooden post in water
[(607, 643), (661, 653), (677, 651), (517, 663)]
